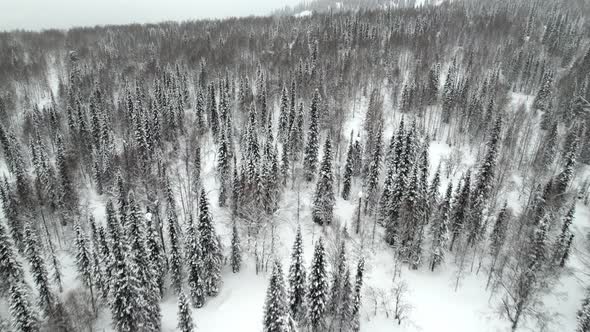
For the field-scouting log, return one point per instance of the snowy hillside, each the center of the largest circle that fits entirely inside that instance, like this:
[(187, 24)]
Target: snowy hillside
[(397, 169)]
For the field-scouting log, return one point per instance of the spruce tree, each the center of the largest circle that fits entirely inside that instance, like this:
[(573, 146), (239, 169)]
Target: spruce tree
[(356, 303), (276, 310), (566, 250), (484, 184), (196, 171), (223, 169), (297, 279), (546, 155), (176, 265), (10, 268), (336, 285), (584, 313), (317, 293), (284, 116), (66, 193), (124, 306), (347, 178), (565, 177), (312, 144), (409, 212), (24, 318), (156, 257), (374, 171), (195, 264), (564, 239), (56, 275), (460, 209), (296, 135), (236, 250), (344, 318), (537, 253), (498, 235), (39, 271), (543, 99), (139, 265), (440, 228), (434, 187), (357, 151), (185, 321), (285, 163), (83, 261), (105, 262), (323, 204), (211, 248)]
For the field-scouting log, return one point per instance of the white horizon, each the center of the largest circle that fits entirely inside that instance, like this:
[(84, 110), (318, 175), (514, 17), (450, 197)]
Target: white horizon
[(37, 15)]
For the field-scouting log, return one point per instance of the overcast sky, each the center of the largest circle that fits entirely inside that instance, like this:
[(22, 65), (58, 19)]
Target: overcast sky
[(43, 14)]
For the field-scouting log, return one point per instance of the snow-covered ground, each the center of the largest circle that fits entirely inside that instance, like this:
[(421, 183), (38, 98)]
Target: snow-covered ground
[(435, 304)]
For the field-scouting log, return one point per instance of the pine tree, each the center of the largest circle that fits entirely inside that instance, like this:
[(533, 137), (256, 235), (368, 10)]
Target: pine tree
[(297, 279), (276, 310), (236, 250), (211, 248), (185, 321), (317, 294), (24, 318), (440, 228), (311, 149), (324, 200)]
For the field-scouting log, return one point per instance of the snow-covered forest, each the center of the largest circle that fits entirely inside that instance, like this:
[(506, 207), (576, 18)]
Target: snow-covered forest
[(400, 166)]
